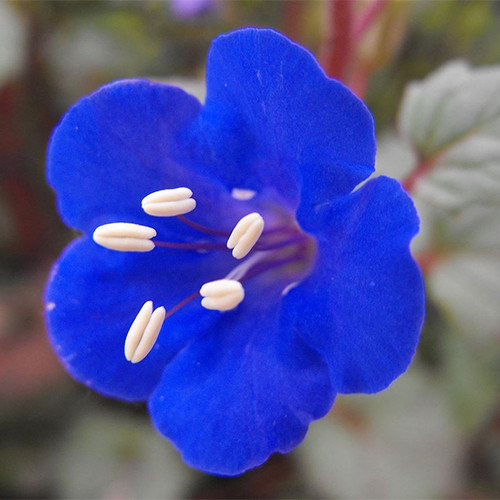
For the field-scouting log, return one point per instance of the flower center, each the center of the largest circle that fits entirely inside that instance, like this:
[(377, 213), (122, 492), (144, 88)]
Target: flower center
[(284, 249)]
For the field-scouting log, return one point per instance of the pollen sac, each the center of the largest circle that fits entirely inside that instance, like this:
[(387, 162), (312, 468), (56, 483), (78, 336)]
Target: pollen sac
[(125, 237), (143, 333), (245, 235), (222, 295), (169, 202)]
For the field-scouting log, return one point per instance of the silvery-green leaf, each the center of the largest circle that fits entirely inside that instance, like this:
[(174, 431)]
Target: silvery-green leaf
[(476, 229), (82, 52), (401, 444), (466, 174), (395, 157), (466, 285), (422, 100), (452, 121), (465, 279), (454, 102), (13, 42), (109, 455), (470, 373)]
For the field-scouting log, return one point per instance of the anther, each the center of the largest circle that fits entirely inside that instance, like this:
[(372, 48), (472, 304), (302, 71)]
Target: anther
[(245, 235), (143, 333), (125, 237), (222, 295), (169, 202)]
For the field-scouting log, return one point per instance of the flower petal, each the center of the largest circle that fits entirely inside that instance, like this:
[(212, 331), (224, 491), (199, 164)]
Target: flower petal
[(122, 143), (93, 297), (244, 390), (273, 119), (363, 304)]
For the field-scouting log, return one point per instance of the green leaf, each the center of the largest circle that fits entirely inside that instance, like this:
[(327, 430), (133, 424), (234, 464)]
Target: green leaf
[(111, 454), (13, 42), (401, 443), (395, 158), (467, 288), (471, 376), (466, 174), (452, 121), (451, 104)]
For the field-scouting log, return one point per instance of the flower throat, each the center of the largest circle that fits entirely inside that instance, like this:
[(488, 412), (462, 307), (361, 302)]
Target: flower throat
[(285, 248)]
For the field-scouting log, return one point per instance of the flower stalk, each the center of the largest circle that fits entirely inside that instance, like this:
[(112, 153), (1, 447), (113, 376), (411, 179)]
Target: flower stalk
[(421, 169), (336, 50)]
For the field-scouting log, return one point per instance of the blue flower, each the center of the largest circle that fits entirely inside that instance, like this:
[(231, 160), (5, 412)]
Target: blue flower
[(333, 301)]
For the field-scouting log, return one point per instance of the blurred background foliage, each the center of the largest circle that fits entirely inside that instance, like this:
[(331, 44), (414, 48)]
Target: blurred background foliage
[(436, 431)]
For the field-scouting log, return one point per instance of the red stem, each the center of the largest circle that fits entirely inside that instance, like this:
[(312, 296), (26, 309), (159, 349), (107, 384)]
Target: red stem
[(362, 70), (367, 17), (421, 169), (336, 50), (292, 19), (359, 79), (429, 259)]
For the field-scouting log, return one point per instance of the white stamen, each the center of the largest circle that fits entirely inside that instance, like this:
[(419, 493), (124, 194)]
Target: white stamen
[(169, 202), (222, 295), (125, 237), (245, 235), (143, 333), (137, 328), (243, 194)]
